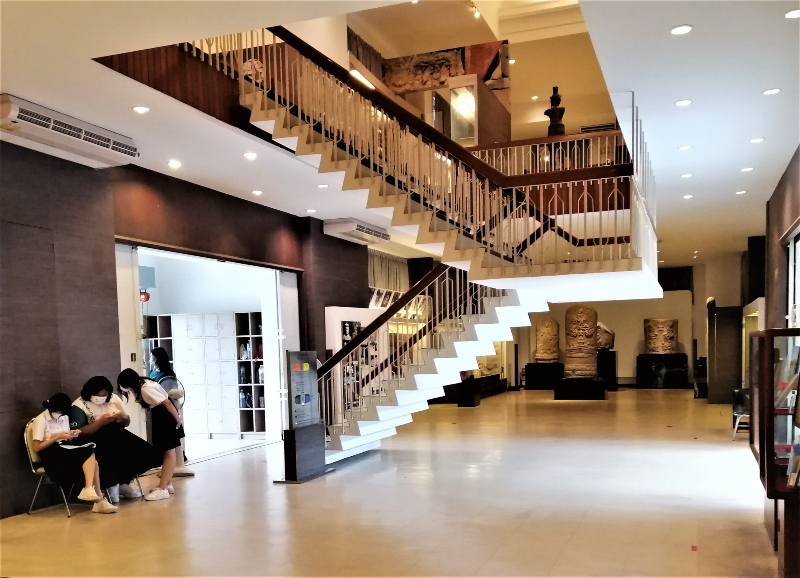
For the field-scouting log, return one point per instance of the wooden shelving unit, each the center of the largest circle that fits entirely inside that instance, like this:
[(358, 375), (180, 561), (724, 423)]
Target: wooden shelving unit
[(249, 359)]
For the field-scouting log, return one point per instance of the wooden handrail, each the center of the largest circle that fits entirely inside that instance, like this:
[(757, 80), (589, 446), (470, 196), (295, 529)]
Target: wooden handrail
[(545, 140), (384, 317)]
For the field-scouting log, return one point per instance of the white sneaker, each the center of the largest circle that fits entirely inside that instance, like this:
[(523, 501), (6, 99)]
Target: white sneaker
[(113, 493), (104, 507), (89, 495), (170, 489), (157, 494), (129, 492)]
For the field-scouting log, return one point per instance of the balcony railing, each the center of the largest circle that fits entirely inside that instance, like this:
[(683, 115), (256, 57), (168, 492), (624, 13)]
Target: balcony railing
[(285, 80)]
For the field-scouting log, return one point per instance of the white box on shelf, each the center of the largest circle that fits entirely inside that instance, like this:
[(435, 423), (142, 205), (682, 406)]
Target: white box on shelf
[(211, 349), (213, 373), (227, 327), (230, 397), (228, 374), (194, 325), (227, 348), (215, 420), (214, 397), (230, 421), (179, 328), (210, 325), (194, 350)]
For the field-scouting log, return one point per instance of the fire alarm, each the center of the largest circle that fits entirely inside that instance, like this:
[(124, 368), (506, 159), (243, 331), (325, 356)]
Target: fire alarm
[(144, 296)]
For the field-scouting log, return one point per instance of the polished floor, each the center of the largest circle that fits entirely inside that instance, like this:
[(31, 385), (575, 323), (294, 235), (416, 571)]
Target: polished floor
[(646, 484)]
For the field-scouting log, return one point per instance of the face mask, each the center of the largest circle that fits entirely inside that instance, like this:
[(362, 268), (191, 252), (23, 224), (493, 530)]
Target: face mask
[(98, 400), (56, 415)]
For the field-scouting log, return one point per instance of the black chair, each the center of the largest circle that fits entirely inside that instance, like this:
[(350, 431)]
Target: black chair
[(741, 408)]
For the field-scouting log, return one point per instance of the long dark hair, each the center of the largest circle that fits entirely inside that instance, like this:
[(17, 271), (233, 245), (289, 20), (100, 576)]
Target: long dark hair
[(130, 381), (95, 385), (162, 361), (58, 402)]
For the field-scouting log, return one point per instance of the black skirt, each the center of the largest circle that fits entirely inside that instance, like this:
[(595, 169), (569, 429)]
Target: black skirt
[(165, 435), (63, 465), (121, 454)]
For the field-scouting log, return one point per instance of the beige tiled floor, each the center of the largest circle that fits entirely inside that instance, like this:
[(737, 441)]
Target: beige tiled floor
[(521, 486)]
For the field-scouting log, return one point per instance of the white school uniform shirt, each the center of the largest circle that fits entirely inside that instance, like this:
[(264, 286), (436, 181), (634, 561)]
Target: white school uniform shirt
[(45, 427), (152, 393), (94, 411)]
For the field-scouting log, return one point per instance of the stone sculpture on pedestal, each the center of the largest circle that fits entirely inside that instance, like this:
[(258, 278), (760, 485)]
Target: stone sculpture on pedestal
[(580, 329), (605, 337), (661, 335), (546, 340)]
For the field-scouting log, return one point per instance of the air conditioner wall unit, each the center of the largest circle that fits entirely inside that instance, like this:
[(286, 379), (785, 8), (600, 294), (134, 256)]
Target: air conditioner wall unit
[(36, 127), (355, 231)]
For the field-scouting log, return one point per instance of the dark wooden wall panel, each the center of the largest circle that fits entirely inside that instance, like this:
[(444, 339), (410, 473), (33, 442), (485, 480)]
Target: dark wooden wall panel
[(58, 311), (494, 119), (783, 216)]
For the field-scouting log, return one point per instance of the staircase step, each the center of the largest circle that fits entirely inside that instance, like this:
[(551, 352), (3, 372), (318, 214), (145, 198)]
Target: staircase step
[(333, 456), (347, 442), (369, 427)]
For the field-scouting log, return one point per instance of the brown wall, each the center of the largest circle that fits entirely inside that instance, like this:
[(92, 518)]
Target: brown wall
[(783, 216), (58, 297)]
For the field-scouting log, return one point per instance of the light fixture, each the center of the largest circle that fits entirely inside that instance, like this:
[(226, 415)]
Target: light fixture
[(771, 91), (311, 210), (414, 1), (681, 30), (511, 61), (695, 257), (683, 103), (322, 186), (757, 140), (250, 156), (686, 176), (534, 98), (257, 192), (477, 14), (792, 14), (661, 261), (141, 109), (360, 77), (695, 252), (740, 192), (688, 196), (173, 164), (747, 169), (685, 148)]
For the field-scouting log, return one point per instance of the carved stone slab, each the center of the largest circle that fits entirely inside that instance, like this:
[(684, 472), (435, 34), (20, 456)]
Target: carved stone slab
[(661, 335), (580, 329), (605, 337), (546, 340)]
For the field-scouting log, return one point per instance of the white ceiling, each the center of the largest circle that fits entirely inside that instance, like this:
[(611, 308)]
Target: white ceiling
[(735, 52), (45, 57)]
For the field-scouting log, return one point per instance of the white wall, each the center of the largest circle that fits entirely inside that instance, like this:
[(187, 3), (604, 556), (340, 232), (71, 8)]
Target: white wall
[(626, 319), (193, 285), (328, 35)]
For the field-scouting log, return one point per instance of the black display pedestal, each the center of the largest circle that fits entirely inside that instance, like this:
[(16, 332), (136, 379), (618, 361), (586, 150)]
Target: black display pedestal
[(592, 388), (662, 371), (304, 454), (543, 375), (607, 367)]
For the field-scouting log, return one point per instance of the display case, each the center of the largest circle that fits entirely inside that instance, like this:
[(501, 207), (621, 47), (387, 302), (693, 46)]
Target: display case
[(774, 427)]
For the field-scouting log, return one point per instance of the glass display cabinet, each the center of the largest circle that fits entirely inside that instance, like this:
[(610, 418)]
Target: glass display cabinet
[(774, 427)]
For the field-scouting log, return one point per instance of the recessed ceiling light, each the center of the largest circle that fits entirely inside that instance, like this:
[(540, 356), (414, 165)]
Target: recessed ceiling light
[(682, 29), (695, 257), (747, 169), (686, 176), (772, 91), (756, 140), (661, 261), (695, 252), (362, 79), (477, 14), (534, 98), (740, 192), (250, 156), (173, 164), (688, 196), (792, 14), (511, 61), (257, 192), (141, 109), (683, 103), (311, 210), (322, 186), (685, 148)]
